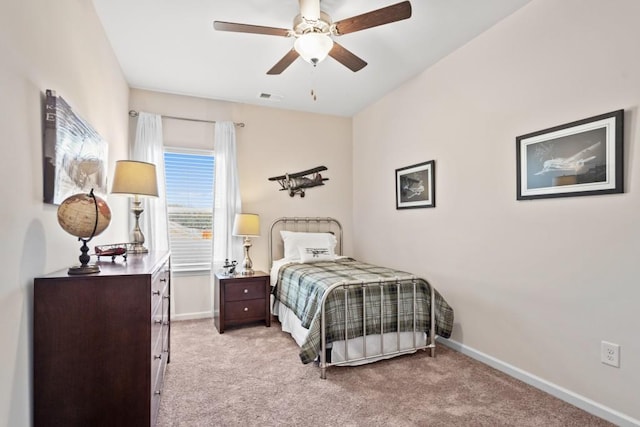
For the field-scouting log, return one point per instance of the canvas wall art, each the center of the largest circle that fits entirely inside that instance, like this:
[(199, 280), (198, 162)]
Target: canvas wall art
[(74, 154)]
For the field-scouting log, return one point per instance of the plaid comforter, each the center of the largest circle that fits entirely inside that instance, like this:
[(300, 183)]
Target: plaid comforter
[(301, 286)]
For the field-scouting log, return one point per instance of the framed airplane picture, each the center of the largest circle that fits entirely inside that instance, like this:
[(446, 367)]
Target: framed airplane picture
[(415, 186), (580, 158)]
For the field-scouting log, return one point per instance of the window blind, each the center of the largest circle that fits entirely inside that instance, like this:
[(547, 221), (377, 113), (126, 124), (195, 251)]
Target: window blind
[(189, 184)]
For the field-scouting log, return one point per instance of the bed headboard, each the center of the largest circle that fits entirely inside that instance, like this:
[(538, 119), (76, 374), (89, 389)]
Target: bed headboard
[(307, 224)]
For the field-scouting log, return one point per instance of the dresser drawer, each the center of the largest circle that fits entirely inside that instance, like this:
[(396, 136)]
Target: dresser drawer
[(157, 382), (243, 310), (156, 332), (159, 283), (156, 361), (245, 290), (166, 325)]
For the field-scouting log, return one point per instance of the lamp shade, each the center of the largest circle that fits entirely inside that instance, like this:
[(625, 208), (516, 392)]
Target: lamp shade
[(313, 47), (134, 177), (246, 225)]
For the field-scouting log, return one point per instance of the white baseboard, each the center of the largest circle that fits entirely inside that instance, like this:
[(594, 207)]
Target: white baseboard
[(561, 393), (191, 316)]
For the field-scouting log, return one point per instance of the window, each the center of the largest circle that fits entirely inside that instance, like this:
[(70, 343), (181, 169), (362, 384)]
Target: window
[(189, 182)]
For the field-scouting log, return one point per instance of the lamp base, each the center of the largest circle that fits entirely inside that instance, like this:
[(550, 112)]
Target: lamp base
[(137, 248), (247, 264)]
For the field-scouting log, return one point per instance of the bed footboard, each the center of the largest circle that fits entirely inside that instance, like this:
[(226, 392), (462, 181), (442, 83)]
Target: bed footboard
[(384, 286)]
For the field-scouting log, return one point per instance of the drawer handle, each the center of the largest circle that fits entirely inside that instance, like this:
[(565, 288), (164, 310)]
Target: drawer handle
[(164, 279), (158, 321), (158, 356), (246, 291), (246, 309), (155, 293), (166, 297), (157, 392)]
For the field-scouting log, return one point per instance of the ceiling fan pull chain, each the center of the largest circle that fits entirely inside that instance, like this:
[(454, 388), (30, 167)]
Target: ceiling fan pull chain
[(313, 83)]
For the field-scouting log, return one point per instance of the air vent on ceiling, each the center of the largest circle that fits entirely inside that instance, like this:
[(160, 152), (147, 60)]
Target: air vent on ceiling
[(270, 97)]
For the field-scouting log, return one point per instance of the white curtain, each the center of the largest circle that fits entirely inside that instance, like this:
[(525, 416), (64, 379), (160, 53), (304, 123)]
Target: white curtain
[(226, 197), (148, 147)]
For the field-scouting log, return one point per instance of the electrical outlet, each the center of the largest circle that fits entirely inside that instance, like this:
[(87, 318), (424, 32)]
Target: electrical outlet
[(610, 354)]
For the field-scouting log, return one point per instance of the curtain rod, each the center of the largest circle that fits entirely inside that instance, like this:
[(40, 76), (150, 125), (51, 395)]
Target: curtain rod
[(134, 113)]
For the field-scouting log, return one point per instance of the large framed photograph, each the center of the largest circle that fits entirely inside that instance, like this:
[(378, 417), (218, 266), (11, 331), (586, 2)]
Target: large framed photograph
[(415, 186), (581, 158), (74, 154)]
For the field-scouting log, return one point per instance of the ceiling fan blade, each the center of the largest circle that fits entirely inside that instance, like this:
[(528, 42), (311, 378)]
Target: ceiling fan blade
[(252, 29), (346, 58), (386, 15), (282, 65)]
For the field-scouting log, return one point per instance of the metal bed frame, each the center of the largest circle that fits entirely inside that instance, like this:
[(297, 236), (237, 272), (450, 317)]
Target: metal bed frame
[(327, 224)]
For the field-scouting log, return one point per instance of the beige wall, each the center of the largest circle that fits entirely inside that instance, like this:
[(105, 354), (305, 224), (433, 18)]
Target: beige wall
[(273, 142), (535, 284), (44, 45)]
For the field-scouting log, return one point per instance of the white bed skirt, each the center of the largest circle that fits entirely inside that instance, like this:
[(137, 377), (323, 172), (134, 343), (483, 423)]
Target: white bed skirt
[(292, 325)]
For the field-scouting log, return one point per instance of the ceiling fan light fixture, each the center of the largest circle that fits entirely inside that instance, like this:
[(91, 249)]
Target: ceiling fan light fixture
[(313, 47)]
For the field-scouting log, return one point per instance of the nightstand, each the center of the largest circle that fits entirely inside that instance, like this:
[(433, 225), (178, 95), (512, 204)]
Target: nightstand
[(241, 299)]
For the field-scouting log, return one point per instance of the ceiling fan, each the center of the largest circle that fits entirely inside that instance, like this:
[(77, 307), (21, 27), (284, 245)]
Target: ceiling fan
[(314, 32)]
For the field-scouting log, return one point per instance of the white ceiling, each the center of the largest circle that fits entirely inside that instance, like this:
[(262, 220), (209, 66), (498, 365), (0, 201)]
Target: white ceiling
[(171, 46)]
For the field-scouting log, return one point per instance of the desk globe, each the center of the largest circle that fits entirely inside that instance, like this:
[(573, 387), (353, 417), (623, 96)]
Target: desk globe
[(84, 216)]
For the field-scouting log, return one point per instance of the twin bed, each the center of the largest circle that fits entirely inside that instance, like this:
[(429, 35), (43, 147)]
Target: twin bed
[(341, 311)]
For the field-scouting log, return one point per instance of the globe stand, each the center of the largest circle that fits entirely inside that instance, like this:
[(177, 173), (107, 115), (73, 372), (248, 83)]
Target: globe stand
[(84, 267)]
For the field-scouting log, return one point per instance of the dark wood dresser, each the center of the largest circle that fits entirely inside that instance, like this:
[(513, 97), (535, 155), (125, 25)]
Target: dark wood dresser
[(241, 299), (101, 343)]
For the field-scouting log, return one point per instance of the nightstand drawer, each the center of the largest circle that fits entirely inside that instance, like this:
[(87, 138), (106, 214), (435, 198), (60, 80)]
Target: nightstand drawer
[(244, 290), (241, 299), (241, 310)]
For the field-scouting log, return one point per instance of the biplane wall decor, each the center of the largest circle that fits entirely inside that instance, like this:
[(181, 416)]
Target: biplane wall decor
[(296, 183)]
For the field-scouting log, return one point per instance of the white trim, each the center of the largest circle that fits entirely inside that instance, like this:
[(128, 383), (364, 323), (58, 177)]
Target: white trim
[(192, 316), (561, 393)]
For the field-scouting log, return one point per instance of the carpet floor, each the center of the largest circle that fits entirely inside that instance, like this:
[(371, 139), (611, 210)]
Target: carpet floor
[(252, 376)]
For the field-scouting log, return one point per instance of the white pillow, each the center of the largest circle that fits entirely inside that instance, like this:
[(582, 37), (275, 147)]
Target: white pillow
[(316, 254), (294, 240)]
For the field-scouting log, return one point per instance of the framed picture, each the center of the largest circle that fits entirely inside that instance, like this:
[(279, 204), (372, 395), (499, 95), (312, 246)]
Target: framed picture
[(415, 186), (581, 158), (74, 154)]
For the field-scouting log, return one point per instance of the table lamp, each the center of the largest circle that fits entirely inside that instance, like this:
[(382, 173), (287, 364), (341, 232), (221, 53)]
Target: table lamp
[(247, 226), (138, 179)]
